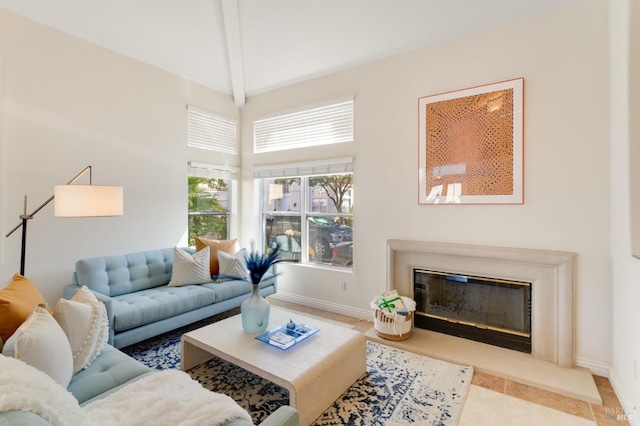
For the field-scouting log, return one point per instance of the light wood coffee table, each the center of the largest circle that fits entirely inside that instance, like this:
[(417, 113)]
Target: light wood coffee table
[(315, 371)]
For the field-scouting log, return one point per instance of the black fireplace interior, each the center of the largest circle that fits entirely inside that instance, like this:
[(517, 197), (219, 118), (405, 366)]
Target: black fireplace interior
[(488, 310)]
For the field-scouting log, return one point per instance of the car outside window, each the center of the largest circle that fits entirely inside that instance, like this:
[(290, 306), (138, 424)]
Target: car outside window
[(311, 217)]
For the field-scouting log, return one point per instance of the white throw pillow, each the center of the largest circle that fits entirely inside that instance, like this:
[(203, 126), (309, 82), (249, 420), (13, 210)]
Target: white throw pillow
[(188, 269), (41, 343), (84, 320), (233, 265)]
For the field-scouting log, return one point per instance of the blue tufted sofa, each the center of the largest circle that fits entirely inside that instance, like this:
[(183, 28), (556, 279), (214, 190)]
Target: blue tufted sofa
[(139, 302)]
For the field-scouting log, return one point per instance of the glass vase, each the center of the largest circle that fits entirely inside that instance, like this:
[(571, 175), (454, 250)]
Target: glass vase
[(255, 312)]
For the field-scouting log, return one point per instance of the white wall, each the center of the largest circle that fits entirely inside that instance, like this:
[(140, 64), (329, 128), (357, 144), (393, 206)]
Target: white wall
[(562, 56), (67, 104), (625, 103)]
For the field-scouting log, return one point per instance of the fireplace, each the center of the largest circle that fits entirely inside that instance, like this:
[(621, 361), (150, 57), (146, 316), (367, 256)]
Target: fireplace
[(550, 274), (488, 310)]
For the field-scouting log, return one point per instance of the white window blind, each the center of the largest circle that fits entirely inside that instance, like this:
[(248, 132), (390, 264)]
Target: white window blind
[(212, 171), (323, 125), (207, 130), (311, 168)]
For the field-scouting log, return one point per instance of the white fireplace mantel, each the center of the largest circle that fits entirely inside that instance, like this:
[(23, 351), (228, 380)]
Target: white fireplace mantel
[(550, 272)]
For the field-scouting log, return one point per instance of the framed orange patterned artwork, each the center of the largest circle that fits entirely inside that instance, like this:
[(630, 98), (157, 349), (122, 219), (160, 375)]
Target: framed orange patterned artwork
[(471, 145)]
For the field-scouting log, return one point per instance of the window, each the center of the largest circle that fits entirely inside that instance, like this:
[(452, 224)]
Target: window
[(207, 130), (310, 216), (322, 125), (210, 201)]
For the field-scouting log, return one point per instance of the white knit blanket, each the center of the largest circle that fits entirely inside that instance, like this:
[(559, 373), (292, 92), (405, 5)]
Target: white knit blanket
[(23, 387), (168, 397)]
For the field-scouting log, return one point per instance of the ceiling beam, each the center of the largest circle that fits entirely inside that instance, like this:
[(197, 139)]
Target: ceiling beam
[(234, 49)]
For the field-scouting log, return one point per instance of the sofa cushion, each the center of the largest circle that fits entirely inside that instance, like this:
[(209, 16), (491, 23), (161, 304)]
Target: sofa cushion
[(115, 275), (233, 266), (230, 289), (190, 268), (41, 343), (85, 322), (110, 370), (228, 246), (147, 306), (17, 301)]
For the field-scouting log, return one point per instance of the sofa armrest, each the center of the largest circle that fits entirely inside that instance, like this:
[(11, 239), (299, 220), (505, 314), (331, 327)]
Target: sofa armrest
[(283, 416), (70, 289), (22, 418)]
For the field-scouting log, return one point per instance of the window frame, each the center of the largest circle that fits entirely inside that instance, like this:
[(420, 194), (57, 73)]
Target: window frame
[(230, 175), (304, 213)]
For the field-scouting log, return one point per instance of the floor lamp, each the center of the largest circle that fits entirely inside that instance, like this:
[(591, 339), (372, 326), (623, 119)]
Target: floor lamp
[(75, 201)]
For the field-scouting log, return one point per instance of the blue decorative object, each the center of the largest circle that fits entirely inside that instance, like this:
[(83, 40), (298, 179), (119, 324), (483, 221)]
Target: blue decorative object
[(284, 337), (255, 310)]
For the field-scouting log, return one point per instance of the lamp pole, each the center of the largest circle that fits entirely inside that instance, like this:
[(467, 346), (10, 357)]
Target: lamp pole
[(25, 217), (24, 244)]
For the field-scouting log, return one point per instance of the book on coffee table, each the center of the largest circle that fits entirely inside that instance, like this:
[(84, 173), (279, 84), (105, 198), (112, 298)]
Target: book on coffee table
[(284, 337)]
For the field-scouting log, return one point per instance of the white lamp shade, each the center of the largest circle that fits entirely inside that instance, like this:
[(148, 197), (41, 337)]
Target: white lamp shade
[(88, 200)]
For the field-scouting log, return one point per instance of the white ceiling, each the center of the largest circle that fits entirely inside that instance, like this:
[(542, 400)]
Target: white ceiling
[(251, 46)]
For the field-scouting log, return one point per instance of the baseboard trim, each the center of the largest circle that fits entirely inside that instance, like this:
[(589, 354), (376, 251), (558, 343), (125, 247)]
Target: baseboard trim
[(596, 367), (323, 304), (632, 412)]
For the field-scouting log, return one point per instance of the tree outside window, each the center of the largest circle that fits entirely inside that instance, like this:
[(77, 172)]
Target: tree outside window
[(208, 208)]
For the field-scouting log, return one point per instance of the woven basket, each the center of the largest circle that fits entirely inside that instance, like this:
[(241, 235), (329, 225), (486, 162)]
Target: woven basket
[(388, 329)]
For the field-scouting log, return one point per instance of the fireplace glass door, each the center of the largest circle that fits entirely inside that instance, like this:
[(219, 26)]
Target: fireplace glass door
[(489, 310)]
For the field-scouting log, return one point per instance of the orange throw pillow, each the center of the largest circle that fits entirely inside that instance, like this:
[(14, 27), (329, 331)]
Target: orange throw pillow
[(17, 302), (227, 246)]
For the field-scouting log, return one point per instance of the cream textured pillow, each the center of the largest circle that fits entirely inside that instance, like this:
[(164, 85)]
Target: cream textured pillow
[(188, 269), (233, 265), (84, 320), (41, 343)]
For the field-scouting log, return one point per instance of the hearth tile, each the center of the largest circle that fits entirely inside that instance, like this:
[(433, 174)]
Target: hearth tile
[(602, 382), (608, 416), (488, 381), (549, 399), (609, 397), (484, 407)]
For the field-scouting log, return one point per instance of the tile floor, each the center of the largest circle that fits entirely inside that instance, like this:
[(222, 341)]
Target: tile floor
[(540, 401)]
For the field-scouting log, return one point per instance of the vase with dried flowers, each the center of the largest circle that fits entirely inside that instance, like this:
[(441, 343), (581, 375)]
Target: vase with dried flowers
[(255, 310)]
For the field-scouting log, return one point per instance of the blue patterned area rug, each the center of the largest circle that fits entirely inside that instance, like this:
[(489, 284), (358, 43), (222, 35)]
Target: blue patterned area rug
[(399, 388)]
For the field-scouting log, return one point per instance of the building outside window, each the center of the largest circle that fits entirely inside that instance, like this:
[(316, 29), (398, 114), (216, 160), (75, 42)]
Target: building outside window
[(311, 217)]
